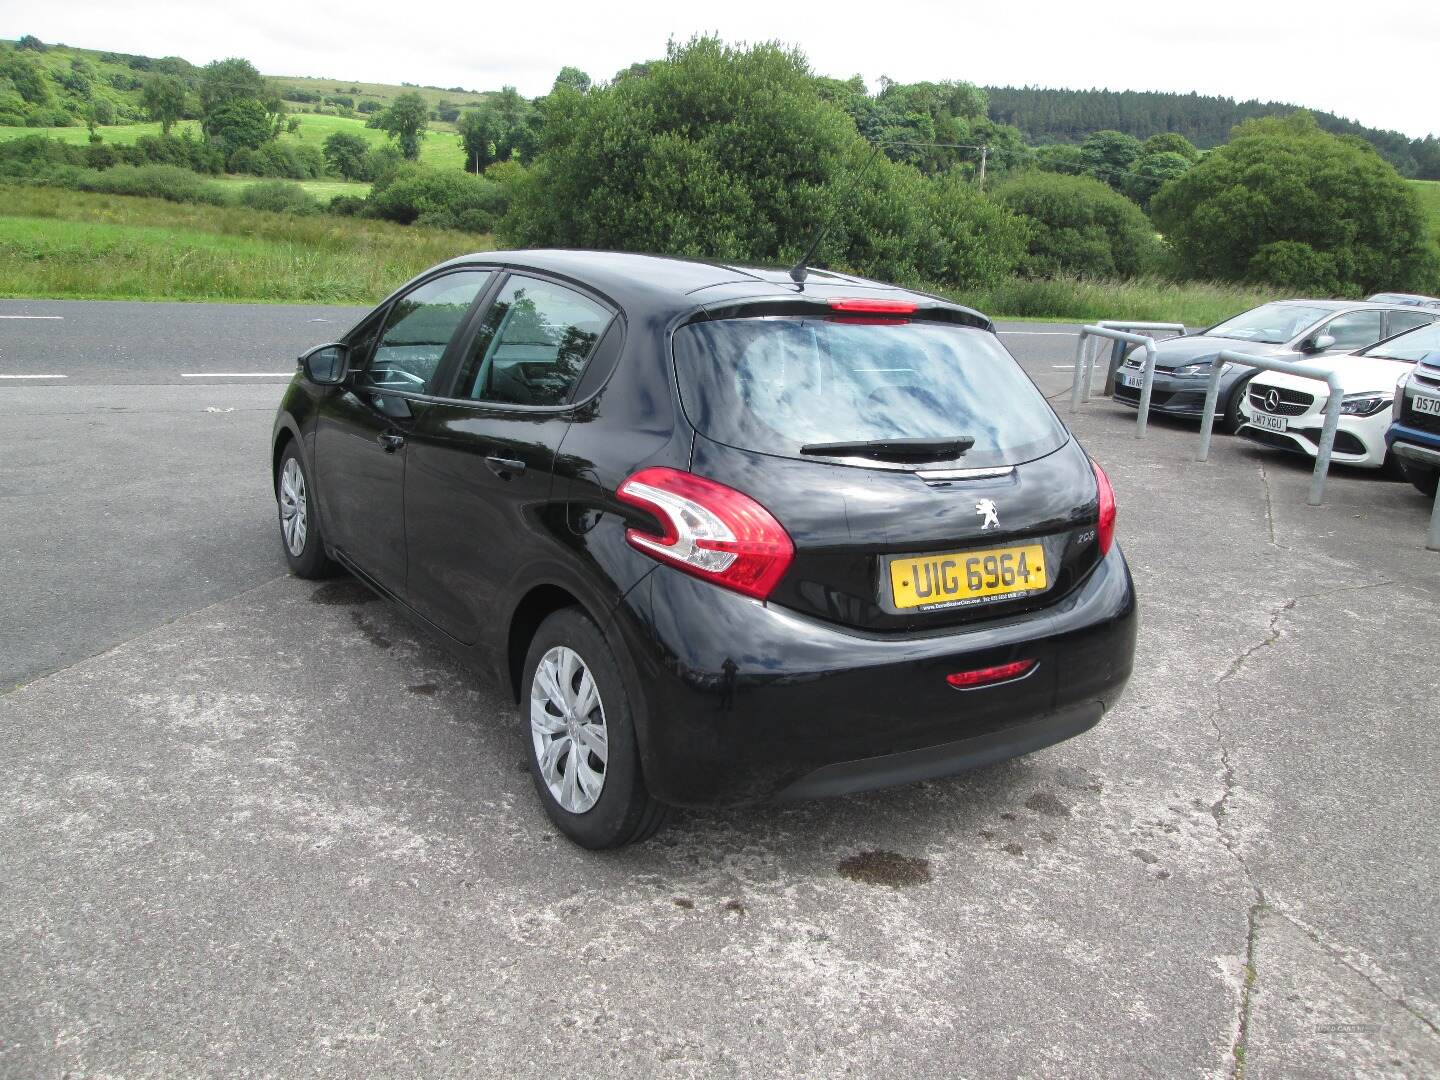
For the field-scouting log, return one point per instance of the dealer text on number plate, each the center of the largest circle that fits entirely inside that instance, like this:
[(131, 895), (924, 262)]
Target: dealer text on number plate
[(959, 578)]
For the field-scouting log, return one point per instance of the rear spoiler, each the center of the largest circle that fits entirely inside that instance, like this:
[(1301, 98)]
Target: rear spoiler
[(927, 308)]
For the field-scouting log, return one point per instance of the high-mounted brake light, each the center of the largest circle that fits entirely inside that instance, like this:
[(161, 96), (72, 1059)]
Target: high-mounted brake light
[(864, 306), (712, 531), (986, 676), (1106, 531)]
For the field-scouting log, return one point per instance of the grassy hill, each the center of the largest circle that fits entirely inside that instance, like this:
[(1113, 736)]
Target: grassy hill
[(440, 147), (119, 77)]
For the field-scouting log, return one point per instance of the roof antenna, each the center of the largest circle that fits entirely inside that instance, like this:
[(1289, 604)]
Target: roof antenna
[(801, 270)]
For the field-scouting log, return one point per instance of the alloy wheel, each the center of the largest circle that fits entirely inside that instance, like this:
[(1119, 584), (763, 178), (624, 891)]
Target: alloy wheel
[(294, 511), (567, 724)]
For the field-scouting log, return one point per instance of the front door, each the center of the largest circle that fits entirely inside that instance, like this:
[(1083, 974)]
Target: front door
[(481, 465), (362, 428)]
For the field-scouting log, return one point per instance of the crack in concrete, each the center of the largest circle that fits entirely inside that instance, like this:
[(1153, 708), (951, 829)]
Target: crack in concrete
[(1247, 986), (1269, 505), (1219, 810)]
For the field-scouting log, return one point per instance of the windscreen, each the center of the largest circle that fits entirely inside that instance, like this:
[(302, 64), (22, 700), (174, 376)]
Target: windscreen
[(1414, 346), (1273, 324), (776, 385)]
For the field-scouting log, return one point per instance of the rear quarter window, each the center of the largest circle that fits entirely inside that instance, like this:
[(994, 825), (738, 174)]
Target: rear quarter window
[(773, 385)]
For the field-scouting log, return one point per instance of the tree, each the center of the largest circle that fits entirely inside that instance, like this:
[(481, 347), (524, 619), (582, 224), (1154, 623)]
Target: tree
[(405, 120), (345, 154), (1108, 156), (163, 98), (103, 110), (728, 153), (480, 133), (1081, 227), (225, 81), (1152, 171), (241, 124), (1342, 214), (574, 78), (1171, 142), (1060, 158), (30, 41)]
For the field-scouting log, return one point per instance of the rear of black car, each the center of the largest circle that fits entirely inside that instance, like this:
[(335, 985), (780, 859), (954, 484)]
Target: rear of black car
[(888, 560)]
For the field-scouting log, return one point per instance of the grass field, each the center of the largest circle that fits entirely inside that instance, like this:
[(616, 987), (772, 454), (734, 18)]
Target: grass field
[(72, 245), (440, 147), (1430, 199), (324, 190)]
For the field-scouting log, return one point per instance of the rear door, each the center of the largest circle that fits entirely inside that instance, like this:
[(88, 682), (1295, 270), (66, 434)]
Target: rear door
[(481, 465), (362, 427)]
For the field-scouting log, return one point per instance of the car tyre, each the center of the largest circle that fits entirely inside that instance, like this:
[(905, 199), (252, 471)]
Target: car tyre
[(300, 535), (1234, 418), (573, 702), (1425, 478)]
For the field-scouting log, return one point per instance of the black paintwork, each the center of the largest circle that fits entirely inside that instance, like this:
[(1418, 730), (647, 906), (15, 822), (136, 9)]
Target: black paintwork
[(479, 519)]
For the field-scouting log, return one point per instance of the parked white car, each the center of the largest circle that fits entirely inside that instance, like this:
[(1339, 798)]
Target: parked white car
[(1287, 412)]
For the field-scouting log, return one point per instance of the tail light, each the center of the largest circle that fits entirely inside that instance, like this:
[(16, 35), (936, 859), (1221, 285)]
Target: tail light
[(1106, 531), (711, 531), (866, 306)]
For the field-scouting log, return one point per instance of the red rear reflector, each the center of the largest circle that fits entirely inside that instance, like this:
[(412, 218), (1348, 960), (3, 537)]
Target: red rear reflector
[(866, 306), (966, 680), (1106, 531)]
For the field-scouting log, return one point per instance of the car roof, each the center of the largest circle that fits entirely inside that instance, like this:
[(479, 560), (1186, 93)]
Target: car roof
[(1334, 305), (635, 279)]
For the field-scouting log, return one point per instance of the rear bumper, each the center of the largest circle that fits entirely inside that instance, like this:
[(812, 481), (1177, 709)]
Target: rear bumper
[(741, 702), (1404, 439)]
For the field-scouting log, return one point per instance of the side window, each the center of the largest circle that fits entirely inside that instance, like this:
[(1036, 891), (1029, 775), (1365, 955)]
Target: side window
[(533, 345), (1355, 330), (1400, 321), (418, 328)]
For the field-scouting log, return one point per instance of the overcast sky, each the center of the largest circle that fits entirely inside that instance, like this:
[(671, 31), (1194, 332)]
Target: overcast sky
[(1380, 66)]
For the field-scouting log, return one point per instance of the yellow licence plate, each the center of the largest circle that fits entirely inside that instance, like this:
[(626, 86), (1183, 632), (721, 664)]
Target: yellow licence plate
[(958, 578)]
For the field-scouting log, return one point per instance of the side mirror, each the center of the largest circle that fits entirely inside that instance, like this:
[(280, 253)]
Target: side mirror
[(325, 365), (1320, 342)]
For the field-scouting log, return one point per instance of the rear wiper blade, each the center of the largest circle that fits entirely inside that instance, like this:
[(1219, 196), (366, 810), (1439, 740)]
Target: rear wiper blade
[(895, 449)]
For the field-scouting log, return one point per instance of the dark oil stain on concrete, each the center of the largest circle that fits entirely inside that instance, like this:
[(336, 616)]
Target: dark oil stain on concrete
[(1042, 802), (1048, 837), (684, 902), (1007, 816), (1013, 849), (1144, 856), (371, 632), (342, 594), (524, 766), (986, 834), (737, 906), (885, 868), (424, 689)]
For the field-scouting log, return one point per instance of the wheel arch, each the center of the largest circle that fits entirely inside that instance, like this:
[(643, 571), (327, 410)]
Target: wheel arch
[(534, 608)]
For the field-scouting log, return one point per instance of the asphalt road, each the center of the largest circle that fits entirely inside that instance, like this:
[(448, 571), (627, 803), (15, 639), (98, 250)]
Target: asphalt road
[(257, 826)]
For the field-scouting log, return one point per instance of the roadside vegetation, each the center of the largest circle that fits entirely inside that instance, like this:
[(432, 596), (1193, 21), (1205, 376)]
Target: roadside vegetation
[(60, 243), (734, 153)]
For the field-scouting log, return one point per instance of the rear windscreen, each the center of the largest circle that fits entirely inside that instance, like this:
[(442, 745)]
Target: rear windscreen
[(773, 385)]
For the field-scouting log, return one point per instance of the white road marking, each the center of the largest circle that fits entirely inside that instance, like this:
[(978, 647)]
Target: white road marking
[(1038, 333), (236, 374), (1063, 367), (32, 316), (34, 376)]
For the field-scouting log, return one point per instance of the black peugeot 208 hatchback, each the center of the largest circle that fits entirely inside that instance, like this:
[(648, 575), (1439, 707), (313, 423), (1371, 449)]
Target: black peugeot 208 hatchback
[(727, 538)]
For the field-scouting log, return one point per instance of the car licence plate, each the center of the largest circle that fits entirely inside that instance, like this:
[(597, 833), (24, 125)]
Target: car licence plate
[(960, 578), (1124, 378), (1269, 423), (1423, 404)]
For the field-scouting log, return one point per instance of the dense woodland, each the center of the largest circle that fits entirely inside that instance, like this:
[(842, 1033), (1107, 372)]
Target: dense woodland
[(1068, 116)]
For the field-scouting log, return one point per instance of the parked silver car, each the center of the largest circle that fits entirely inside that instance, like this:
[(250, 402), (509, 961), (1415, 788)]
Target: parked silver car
[(1284, 329), (1413, 299)]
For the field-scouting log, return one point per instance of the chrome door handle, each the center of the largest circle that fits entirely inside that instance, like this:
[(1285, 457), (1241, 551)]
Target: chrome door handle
[(505, 468)]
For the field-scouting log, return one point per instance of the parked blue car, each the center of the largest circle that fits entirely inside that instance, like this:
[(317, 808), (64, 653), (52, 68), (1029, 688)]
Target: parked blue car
[(1414, 435)]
